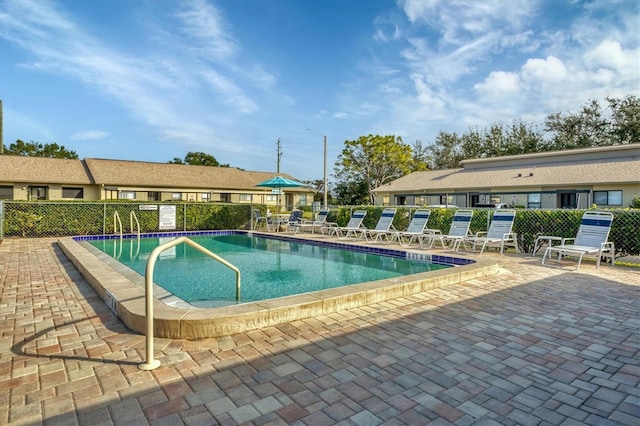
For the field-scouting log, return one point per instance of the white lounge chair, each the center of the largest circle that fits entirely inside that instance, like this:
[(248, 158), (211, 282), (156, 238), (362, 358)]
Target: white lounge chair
[(458, 231), (318, 223), (353, 228), (384, 225), (591, 240), (257, 216), (498, 235), (415, 229)]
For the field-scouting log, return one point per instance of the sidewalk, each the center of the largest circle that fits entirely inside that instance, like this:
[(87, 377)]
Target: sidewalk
[(531, 345)]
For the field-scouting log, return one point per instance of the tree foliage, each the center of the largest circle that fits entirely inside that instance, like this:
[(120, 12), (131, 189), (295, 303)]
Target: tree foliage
[(36, 149), (198, 159), (591, 126), (497, 140), (374, 161)]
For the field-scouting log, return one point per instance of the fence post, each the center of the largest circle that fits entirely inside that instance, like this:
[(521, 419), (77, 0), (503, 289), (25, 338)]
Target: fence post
[(1, 219)]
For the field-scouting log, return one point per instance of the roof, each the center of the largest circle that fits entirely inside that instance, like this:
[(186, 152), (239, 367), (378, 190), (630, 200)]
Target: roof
[(130, 173), (621, 169), (14, 168), (137, 173)]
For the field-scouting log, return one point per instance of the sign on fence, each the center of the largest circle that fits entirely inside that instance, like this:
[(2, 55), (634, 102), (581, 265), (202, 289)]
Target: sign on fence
[(167, 218)]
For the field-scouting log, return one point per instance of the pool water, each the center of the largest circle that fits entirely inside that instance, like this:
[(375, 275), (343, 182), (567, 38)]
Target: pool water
[(269, 267)]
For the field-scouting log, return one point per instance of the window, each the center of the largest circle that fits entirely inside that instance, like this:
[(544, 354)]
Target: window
[(607, 198), (39, 192), (153, 196), (206, 196), (176, 196), (6, 192), (272, 198), (303, 199), (77, 193), (245, 197), (446, 199), (126, 195), (534, 201)]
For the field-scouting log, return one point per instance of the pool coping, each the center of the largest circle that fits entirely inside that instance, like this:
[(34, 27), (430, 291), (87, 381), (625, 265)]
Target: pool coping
[(127, 299)]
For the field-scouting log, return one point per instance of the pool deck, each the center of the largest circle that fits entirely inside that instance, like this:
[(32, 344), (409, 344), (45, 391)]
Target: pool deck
[(528, 345)]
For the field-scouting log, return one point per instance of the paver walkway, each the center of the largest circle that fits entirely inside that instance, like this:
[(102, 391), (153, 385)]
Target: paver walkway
[(531, 345)]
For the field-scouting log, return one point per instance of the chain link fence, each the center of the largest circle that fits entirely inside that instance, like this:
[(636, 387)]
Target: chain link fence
[(528, 224), (24, 219), (35, 219)]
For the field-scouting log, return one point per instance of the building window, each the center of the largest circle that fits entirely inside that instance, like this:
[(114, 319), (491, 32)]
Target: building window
[(39, 192), (206, 196), (303, 199), (272, 198), (245, 197), (6, 192), (176, 196), (77, 193), (153, 196), (534, 201), (126, 195), (607, 198)]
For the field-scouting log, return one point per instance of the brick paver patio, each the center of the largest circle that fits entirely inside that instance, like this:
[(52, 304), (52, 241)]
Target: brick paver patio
[(531, 345)]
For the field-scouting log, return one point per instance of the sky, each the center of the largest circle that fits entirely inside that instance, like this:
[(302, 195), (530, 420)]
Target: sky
[(151, 80)]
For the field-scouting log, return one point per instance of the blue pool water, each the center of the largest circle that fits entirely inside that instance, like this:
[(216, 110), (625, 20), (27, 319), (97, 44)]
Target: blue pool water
[(269, 267)]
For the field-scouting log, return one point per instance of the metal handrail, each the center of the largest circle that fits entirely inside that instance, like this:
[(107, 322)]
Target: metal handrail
[(132, 215), (151, 363), (117, 221)]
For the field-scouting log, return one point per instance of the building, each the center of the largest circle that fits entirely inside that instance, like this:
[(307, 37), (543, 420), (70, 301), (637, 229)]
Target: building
[(35, 178), (604, 176)]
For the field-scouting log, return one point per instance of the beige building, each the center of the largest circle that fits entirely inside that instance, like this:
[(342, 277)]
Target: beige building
[(604, 176), (33, 178)]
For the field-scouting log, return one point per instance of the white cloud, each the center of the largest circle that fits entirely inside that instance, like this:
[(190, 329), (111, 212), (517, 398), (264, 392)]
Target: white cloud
[(544, 71), (499, 84), (89, 135)]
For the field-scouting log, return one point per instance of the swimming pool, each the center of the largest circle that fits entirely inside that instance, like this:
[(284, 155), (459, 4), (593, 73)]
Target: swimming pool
[(123, 290), (270, 267)]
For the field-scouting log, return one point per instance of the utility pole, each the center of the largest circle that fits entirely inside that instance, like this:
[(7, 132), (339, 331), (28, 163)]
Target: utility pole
[(279, 155), (1, 140)]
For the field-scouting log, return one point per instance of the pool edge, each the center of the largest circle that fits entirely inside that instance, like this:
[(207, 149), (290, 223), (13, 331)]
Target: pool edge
[(128, 299)]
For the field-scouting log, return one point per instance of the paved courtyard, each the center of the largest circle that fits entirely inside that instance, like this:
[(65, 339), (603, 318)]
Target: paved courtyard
[(531, 345)]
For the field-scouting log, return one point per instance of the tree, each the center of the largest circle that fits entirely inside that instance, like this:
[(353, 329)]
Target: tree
[(376, 160), (594, 127), (36, 149), (496, 141), (198, 159), (351, 193)]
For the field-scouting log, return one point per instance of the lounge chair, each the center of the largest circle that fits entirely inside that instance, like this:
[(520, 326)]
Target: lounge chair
[(293, 223), (415, 229), (498, 235), (458, 231), (591, 240), (318, 223), (353, 228), (384, 225), (258, 218)]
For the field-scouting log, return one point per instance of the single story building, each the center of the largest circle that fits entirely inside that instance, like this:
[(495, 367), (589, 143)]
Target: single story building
[(603, 176), (36, 178)]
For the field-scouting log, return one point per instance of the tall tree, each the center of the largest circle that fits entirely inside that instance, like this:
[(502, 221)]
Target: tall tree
[(592, 126), (376, 160), (198, 159), (36, 149)]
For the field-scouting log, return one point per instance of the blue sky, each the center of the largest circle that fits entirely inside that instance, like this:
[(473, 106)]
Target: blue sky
[(153, 80)]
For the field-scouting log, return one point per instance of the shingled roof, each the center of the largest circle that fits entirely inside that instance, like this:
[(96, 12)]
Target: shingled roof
[(130, 173), (136, 173), (527, 171), (14, 168)]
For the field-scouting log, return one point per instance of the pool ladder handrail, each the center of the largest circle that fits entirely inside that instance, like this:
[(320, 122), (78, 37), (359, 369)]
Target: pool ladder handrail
[(151, 363), (132, 216), (117, 224)]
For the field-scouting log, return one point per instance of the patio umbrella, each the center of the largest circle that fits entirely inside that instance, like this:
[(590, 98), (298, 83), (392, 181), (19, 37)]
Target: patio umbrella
[(278, 183)]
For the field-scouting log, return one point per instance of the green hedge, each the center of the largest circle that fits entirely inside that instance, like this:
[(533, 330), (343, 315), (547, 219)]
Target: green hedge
[(528, 225), (55, 219)]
